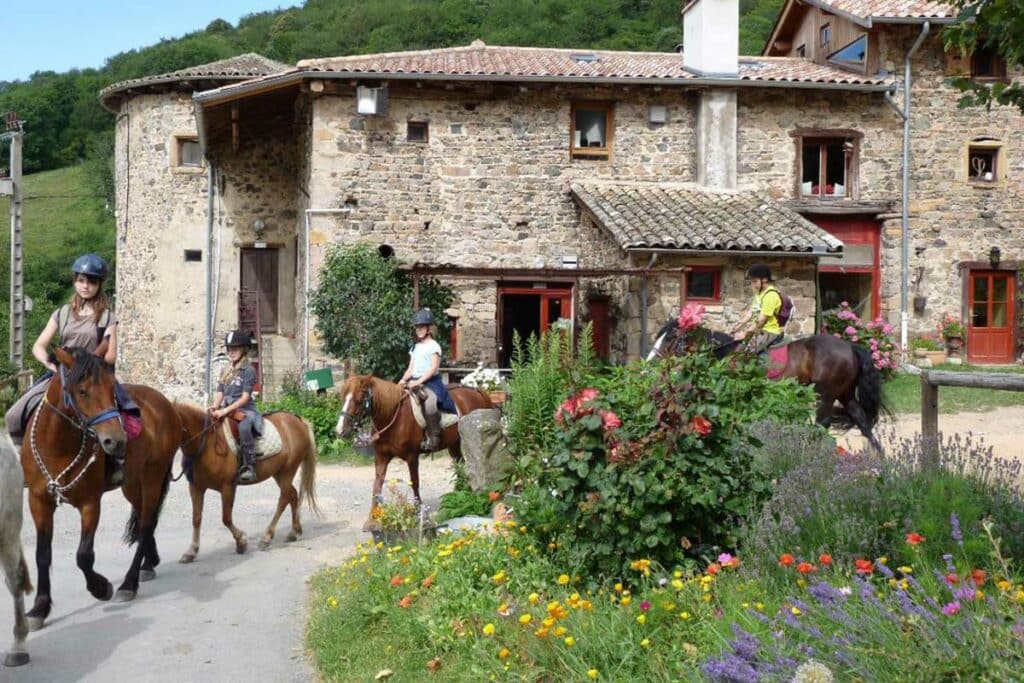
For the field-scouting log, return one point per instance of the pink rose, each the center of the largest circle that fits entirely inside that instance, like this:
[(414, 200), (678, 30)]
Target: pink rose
[(610, 420), (690, 317), (850, 330)]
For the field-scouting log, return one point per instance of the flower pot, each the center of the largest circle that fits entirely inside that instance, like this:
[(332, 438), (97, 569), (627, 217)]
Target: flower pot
[(920, 353), (936, 357), (954, 345)]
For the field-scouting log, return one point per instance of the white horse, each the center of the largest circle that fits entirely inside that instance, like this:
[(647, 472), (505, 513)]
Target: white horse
[(12, 559)]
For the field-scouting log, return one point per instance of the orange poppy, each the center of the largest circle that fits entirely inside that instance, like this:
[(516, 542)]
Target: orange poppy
[(785, 559)]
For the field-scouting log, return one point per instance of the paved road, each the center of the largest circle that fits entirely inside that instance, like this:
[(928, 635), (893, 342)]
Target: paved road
[(227, 617)]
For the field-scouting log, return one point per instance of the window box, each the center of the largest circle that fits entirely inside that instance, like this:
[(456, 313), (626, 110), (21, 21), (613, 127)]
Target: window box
[(591, 130)]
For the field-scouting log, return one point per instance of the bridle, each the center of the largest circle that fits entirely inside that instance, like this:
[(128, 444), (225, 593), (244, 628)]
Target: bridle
[(367, 415)]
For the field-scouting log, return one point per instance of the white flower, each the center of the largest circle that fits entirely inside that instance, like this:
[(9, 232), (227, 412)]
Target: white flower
[(813, 672), (485, 379)]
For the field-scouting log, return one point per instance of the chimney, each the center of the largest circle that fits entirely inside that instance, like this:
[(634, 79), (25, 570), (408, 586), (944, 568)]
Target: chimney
[(711, 37)]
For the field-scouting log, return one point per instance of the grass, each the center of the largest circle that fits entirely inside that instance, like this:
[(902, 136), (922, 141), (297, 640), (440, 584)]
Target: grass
[(903, 393)]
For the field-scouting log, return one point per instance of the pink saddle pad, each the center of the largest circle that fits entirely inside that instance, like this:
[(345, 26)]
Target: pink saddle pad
[(777, 358)]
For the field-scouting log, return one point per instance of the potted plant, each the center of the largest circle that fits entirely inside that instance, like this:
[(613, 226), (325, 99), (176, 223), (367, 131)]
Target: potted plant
[(487, 380), (397, 520), (952, 330), (922, 345)]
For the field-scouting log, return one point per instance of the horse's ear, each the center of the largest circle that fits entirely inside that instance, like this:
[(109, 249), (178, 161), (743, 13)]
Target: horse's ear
[(63, 357), (101, 350)]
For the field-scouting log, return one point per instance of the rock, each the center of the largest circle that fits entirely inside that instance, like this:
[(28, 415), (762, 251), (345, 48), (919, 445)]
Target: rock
[(483, 447)]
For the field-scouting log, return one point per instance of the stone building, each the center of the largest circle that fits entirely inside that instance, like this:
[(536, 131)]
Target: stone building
[(571, 185)]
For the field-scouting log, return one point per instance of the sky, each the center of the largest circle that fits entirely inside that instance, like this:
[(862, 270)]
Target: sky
[(58, 35)]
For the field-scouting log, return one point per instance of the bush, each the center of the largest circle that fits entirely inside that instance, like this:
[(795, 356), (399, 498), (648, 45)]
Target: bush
[(875, 336), (363, 309), (321, 410), (926, 343)]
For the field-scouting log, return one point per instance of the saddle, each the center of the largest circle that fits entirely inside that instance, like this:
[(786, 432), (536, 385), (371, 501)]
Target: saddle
[(778, 356), (132, 424), (447, 419), (268, 443)]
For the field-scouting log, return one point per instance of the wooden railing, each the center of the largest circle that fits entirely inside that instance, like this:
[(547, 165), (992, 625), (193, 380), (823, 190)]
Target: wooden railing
[(931, 380)]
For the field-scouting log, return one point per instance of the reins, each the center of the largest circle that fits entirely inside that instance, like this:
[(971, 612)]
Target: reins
[(53, 485), (368, 411), (208, 425)]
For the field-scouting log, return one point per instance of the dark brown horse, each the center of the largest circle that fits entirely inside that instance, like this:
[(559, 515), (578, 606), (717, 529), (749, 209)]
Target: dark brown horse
[(838, 370), (70, 435), (210, 464), (395, 429)]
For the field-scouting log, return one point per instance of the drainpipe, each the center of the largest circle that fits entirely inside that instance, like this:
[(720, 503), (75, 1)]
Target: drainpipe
[(211, 177), (905, 213), (643, 306), (305, 278)]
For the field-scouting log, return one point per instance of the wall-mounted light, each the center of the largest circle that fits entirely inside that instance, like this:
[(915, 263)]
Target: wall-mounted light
[(994, 254), (259, 228)]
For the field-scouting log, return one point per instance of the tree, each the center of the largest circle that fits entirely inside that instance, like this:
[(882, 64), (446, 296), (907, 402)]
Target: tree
[(364, 308), (996, 25)]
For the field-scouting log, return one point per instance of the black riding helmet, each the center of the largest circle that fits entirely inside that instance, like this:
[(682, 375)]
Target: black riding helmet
[(424, 316), (759, 271), (90, 265), (238, 338)]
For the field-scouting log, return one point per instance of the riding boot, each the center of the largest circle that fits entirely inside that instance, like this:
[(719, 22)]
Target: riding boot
[(432, 434), (16, 440), (247, 472), (115, 472)]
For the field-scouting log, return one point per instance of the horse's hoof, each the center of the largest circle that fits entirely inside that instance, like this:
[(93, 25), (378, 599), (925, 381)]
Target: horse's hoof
[(147, 574), (108, 591), (241, 546), (264, 543), (36, 623), (187, 558), (16, 659), (291, 538), (124, 595)]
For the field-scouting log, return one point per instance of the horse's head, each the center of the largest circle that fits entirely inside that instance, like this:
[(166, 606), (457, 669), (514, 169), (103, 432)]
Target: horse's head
[(357, 397), (666, 339), (87, 396)]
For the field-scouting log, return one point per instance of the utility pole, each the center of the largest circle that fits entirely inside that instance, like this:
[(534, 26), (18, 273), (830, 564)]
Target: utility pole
[(12, 187)]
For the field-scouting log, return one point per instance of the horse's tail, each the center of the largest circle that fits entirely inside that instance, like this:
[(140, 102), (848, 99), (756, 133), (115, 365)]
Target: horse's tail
[(869, 385), (307, 485), (132, 530)]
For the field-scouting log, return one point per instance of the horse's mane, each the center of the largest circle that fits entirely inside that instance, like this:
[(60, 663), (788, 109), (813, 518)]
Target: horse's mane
[(387, 396), (86, 364)]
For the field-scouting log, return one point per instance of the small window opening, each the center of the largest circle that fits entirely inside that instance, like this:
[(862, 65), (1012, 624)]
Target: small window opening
[(825, 167), (801, 51), (585, 57), (986, 63), (193, 255), (826, 35), (189, 154), (982, 164), (703, 283), (591, 130), (417, 131)]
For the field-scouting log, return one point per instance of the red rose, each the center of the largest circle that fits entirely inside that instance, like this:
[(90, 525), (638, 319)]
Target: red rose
[(701, 425)]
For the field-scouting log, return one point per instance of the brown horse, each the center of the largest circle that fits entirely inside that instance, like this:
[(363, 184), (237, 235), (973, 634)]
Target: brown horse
[(396, 433), (838, 370), (71, 433), (210, 464)]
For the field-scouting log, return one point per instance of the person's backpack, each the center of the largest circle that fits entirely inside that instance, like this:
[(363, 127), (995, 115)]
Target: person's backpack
[(787, 311), (64, 314)]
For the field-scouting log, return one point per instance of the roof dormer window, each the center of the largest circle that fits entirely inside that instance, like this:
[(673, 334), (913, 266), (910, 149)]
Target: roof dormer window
[(853, 55), (584, 57)]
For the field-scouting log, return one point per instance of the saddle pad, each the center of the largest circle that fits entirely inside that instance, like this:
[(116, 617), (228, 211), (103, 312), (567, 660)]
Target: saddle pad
[(447, 419), (778, 356), (268, 444)]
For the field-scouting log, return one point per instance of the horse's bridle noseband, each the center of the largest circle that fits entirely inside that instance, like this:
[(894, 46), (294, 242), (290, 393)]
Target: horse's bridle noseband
[(81, 422)]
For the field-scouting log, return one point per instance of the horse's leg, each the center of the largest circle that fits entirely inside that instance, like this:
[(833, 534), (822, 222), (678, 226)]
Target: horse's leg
[(16, 575), (98, 586), (42, 508), (380, 470), (296, 517), (283, 497), (860, 418), (197, 521), (227, 502), (414, 477), (825, 403)]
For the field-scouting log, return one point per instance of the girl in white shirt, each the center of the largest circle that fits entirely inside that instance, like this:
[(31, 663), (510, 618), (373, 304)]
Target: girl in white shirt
[(422, 378)]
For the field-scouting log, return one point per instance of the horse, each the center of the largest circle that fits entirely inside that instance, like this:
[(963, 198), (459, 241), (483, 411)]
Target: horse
[(71, 433), (396, 432), (838, 369), (209, 464), (12, 558)]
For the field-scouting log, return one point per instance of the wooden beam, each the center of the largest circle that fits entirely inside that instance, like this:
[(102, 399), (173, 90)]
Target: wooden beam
[(929, 457)]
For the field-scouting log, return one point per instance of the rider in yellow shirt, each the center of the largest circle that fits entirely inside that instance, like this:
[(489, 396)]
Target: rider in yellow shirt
[(764, 310)]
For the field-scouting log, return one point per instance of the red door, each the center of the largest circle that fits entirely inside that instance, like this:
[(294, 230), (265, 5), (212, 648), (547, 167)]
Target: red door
[(990, 326), (856, 277), (526, 311)]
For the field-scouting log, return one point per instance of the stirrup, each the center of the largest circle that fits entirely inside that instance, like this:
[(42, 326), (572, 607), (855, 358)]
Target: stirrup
[(246, 474)]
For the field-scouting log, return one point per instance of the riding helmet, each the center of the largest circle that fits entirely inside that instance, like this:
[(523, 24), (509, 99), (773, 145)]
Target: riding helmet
[(238, 338), (90, 265), (424, 316), (759, 271)]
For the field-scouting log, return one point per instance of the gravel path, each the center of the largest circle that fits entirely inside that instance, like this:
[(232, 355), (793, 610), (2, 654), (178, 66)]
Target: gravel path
[(225, 617)]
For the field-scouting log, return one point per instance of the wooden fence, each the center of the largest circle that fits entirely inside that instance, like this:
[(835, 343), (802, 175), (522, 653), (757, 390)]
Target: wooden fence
[(931, 380)]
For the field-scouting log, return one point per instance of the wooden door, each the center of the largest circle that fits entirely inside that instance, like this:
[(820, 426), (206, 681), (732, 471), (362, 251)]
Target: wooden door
[(990, 329), (600, 327), (527, 311), (259, 274)]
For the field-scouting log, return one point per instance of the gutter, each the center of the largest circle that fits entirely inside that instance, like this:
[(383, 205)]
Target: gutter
[(211, 177), (905, 210), (305, 277), (736, 252)]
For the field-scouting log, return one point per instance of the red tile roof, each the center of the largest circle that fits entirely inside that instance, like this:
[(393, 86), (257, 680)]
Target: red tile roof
[(893, 9)]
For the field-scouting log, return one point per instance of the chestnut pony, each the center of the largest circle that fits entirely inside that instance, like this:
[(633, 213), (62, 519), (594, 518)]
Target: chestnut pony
[(69, 437), (838, 370), (210, 464), (395, 430)]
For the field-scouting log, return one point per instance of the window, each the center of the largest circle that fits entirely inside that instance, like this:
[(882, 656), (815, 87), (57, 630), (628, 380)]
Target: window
[(987, 64), (826, 35), (193, 255), (188, 154), (417, 131), (853, 55), (983, 163), (591, 130), (827, 167), (801, 51), (703, 283)]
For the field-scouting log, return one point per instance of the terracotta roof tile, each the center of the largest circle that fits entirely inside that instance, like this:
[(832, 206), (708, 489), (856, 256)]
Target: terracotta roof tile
[(242, 67), (894, 9), (688, 217)]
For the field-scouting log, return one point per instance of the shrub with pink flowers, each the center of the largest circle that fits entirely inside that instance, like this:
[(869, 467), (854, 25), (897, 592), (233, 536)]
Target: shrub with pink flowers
[(876, 336)]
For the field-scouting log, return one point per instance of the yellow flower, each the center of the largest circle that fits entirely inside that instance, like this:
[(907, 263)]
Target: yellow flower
[(592, 674), (626, 600), (906, 570), (503, 653), (488, 629), (745, 605), (685, 616), (795, 610), (549, 622), (678, 574), (1019, 596), (641, 619), (668, 606), (643, 566), (570, 641), (883, 560), (759, 606), (646, 642), (499, 577), (618, 588), (533, 598), (978, 595), (541, 632), (1004, 585), (525, 619), (563, 579), (677, 584), (559, 631), (892, 583), (332, 602), (801, 583), (626, 592), (503, 609), (552, 546)]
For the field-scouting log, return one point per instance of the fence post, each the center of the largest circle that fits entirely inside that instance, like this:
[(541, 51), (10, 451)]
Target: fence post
[(929, 422)]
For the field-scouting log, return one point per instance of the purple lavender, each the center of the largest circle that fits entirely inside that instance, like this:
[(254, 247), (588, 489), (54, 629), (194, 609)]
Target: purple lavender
[(730, 669), (745, 644), (954, 521)]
